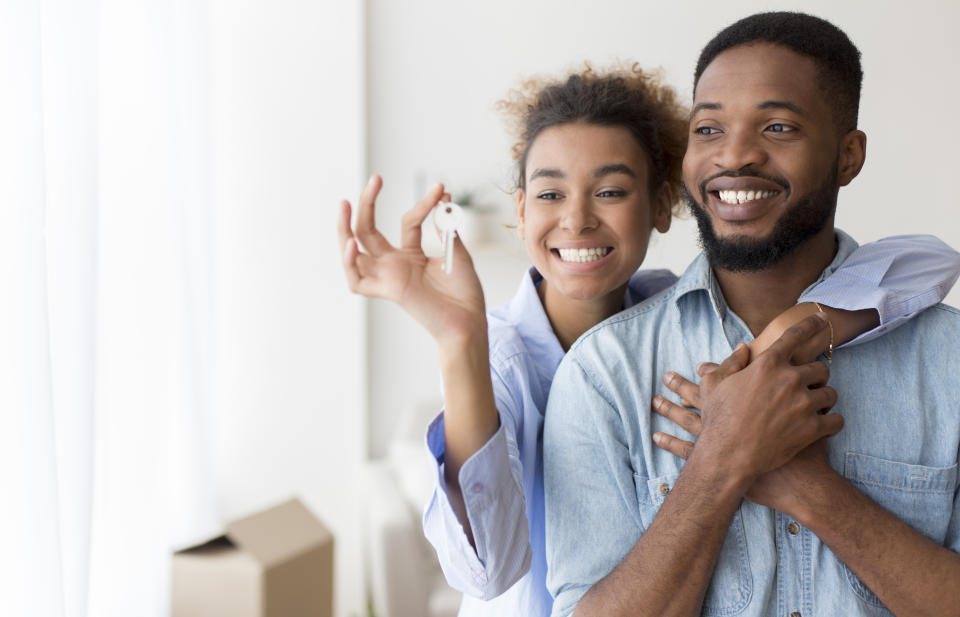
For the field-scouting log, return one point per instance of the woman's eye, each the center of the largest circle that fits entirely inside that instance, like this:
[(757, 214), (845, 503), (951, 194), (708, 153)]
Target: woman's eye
[(706, 130), (779, 127), (611, 193), (548, 195)]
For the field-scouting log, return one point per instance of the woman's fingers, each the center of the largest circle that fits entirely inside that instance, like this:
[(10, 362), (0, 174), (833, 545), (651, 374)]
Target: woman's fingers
[(360, 271), (344, 232), (413, 219), (366, 230), (674, 445), (682, 417), (350, 269)]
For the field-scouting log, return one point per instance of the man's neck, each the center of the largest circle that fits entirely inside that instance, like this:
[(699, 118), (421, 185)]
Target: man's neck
[(758, 297)]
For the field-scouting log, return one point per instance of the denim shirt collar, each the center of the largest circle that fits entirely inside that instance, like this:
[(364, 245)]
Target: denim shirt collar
[(699, 280)]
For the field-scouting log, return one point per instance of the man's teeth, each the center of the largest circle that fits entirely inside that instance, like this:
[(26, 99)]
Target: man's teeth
[(739, 197), (583, 255)]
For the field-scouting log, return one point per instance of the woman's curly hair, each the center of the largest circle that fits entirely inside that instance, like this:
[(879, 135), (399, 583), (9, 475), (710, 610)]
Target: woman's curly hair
[(624, 96)]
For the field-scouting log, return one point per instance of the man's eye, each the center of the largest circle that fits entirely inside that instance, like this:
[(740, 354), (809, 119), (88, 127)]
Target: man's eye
[(779, 127), (706, 130)]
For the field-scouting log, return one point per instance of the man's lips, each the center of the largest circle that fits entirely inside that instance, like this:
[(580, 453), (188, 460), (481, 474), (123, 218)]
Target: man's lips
[(740, 190)]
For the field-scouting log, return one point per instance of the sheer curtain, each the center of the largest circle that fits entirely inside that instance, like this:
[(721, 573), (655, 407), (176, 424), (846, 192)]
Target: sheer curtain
[(106, 357)]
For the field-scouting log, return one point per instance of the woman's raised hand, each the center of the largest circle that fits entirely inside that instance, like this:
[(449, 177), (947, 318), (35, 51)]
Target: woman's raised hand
[(449, 306)]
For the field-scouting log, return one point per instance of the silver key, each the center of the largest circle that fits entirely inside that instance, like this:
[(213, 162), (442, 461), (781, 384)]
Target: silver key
[(447, 218)]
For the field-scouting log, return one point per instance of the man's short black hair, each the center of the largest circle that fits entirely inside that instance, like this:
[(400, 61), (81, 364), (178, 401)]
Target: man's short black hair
[(837, 58)]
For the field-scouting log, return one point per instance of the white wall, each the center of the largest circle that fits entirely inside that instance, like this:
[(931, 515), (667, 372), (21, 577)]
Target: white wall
[(436, 68), (287, 115)]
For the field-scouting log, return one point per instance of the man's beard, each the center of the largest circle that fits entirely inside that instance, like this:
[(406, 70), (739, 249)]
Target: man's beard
[(741, 253)]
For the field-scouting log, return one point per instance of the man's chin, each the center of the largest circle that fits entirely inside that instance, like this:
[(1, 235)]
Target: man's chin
[(742, 251)]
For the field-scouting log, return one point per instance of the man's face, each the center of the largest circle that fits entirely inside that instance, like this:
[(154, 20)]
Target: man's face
[(761, 168)]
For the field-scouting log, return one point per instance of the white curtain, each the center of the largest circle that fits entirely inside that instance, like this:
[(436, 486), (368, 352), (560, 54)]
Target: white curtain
[(105, 303)]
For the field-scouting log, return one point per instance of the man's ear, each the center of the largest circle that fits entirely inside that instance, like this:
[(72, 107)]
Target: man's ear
[(520, 212), (853, 153), (662, 207)]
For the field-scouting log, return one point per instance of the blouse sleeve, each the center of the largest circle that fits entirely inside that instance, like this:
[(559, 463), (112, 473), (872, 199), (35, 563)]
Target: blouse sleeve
[(491, 485), (897, 276)]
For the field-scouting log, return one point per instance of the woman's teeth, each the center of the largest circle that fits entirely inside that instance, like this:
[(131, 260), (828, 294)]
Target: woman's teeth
[(739, 197), (583, 255)]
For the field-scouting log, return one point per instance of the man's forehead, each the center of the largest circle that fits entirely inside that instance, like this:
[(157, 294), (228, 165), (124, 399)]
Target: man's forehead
[(760, 71)]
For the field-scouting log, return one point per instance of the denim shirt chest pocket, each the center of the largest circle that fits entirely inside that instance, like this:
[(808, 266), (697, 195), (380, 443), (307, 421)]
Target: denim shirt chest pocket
[(920, 496), (731, 587)]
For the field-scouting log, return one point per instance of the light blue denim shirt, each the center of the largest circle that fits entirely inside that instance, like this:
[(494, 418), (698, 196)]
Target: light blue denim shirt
[(899, 395)]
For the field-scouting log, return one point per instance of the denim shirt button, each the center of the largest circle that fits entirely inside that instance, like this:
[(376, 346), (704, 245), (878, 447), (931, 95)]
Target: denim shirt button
[(664, 489), (795, 614), (793, 529)]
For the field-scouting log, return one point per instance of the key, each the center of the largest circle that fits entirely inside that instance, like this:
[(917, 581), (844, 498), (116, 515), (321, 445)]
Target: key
[(447, 218)]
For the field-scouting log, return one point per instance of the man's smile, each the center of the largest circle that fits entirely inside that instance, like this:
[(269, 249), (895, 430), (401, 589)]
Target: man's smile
[(742, 197)]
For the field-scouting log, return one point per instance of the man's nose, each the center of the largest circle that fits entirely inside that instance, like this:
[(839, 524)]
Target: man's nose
[(577, 215), (741, 150)]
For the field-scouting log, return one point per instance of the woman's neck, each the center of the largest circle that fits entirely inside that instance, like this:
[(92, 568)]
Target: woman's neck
[(570, 317)]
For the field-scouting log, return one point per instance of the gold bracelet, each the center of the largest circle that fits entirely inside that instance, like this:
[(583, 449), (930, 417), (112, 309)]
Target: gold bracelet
[(828, 354)]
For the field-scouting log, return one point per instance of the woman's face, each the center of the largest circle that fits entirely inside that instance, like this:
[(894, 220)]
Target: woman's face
[(587, 213)]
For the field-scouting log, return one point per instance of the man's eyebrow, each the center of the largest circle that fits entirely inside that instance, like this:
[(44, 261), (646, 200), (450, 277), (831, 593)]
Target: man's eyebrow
[(701, 106), (546, 173), (764, 105), (613, 168), (782, 105)]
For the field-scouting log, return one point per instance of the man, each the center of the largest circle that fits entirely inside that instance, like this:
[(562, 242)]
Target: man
[(767, 516)]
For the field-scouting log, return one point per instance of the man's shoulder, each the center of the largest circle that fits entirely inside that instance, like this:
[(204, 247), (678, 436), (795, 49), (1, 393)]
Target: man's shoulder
[(940, 320), (927, 341)]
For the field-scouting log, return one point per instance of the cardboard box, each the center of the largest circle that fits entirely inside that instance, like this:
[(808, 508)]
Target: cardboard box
[(276, 563)]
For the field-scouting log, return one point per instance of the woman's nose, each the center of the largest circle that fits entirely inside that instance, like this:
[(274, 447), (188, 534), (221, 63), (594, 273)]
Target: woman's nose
[(578, 215)]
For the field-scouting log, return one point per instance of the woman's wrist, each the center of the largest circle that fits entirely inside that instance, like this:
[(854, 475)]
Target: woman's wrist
[(469, 343)]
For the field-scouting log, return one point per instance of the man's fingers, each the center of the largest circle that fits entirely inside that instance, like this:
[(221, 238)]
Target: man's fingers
[(684, 418), (830, 424), (412, 222), (814, 374), (823, 398), (733, 363), (798, 334), (672, 444), (688, 391), (705, 367), (366, 230)]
